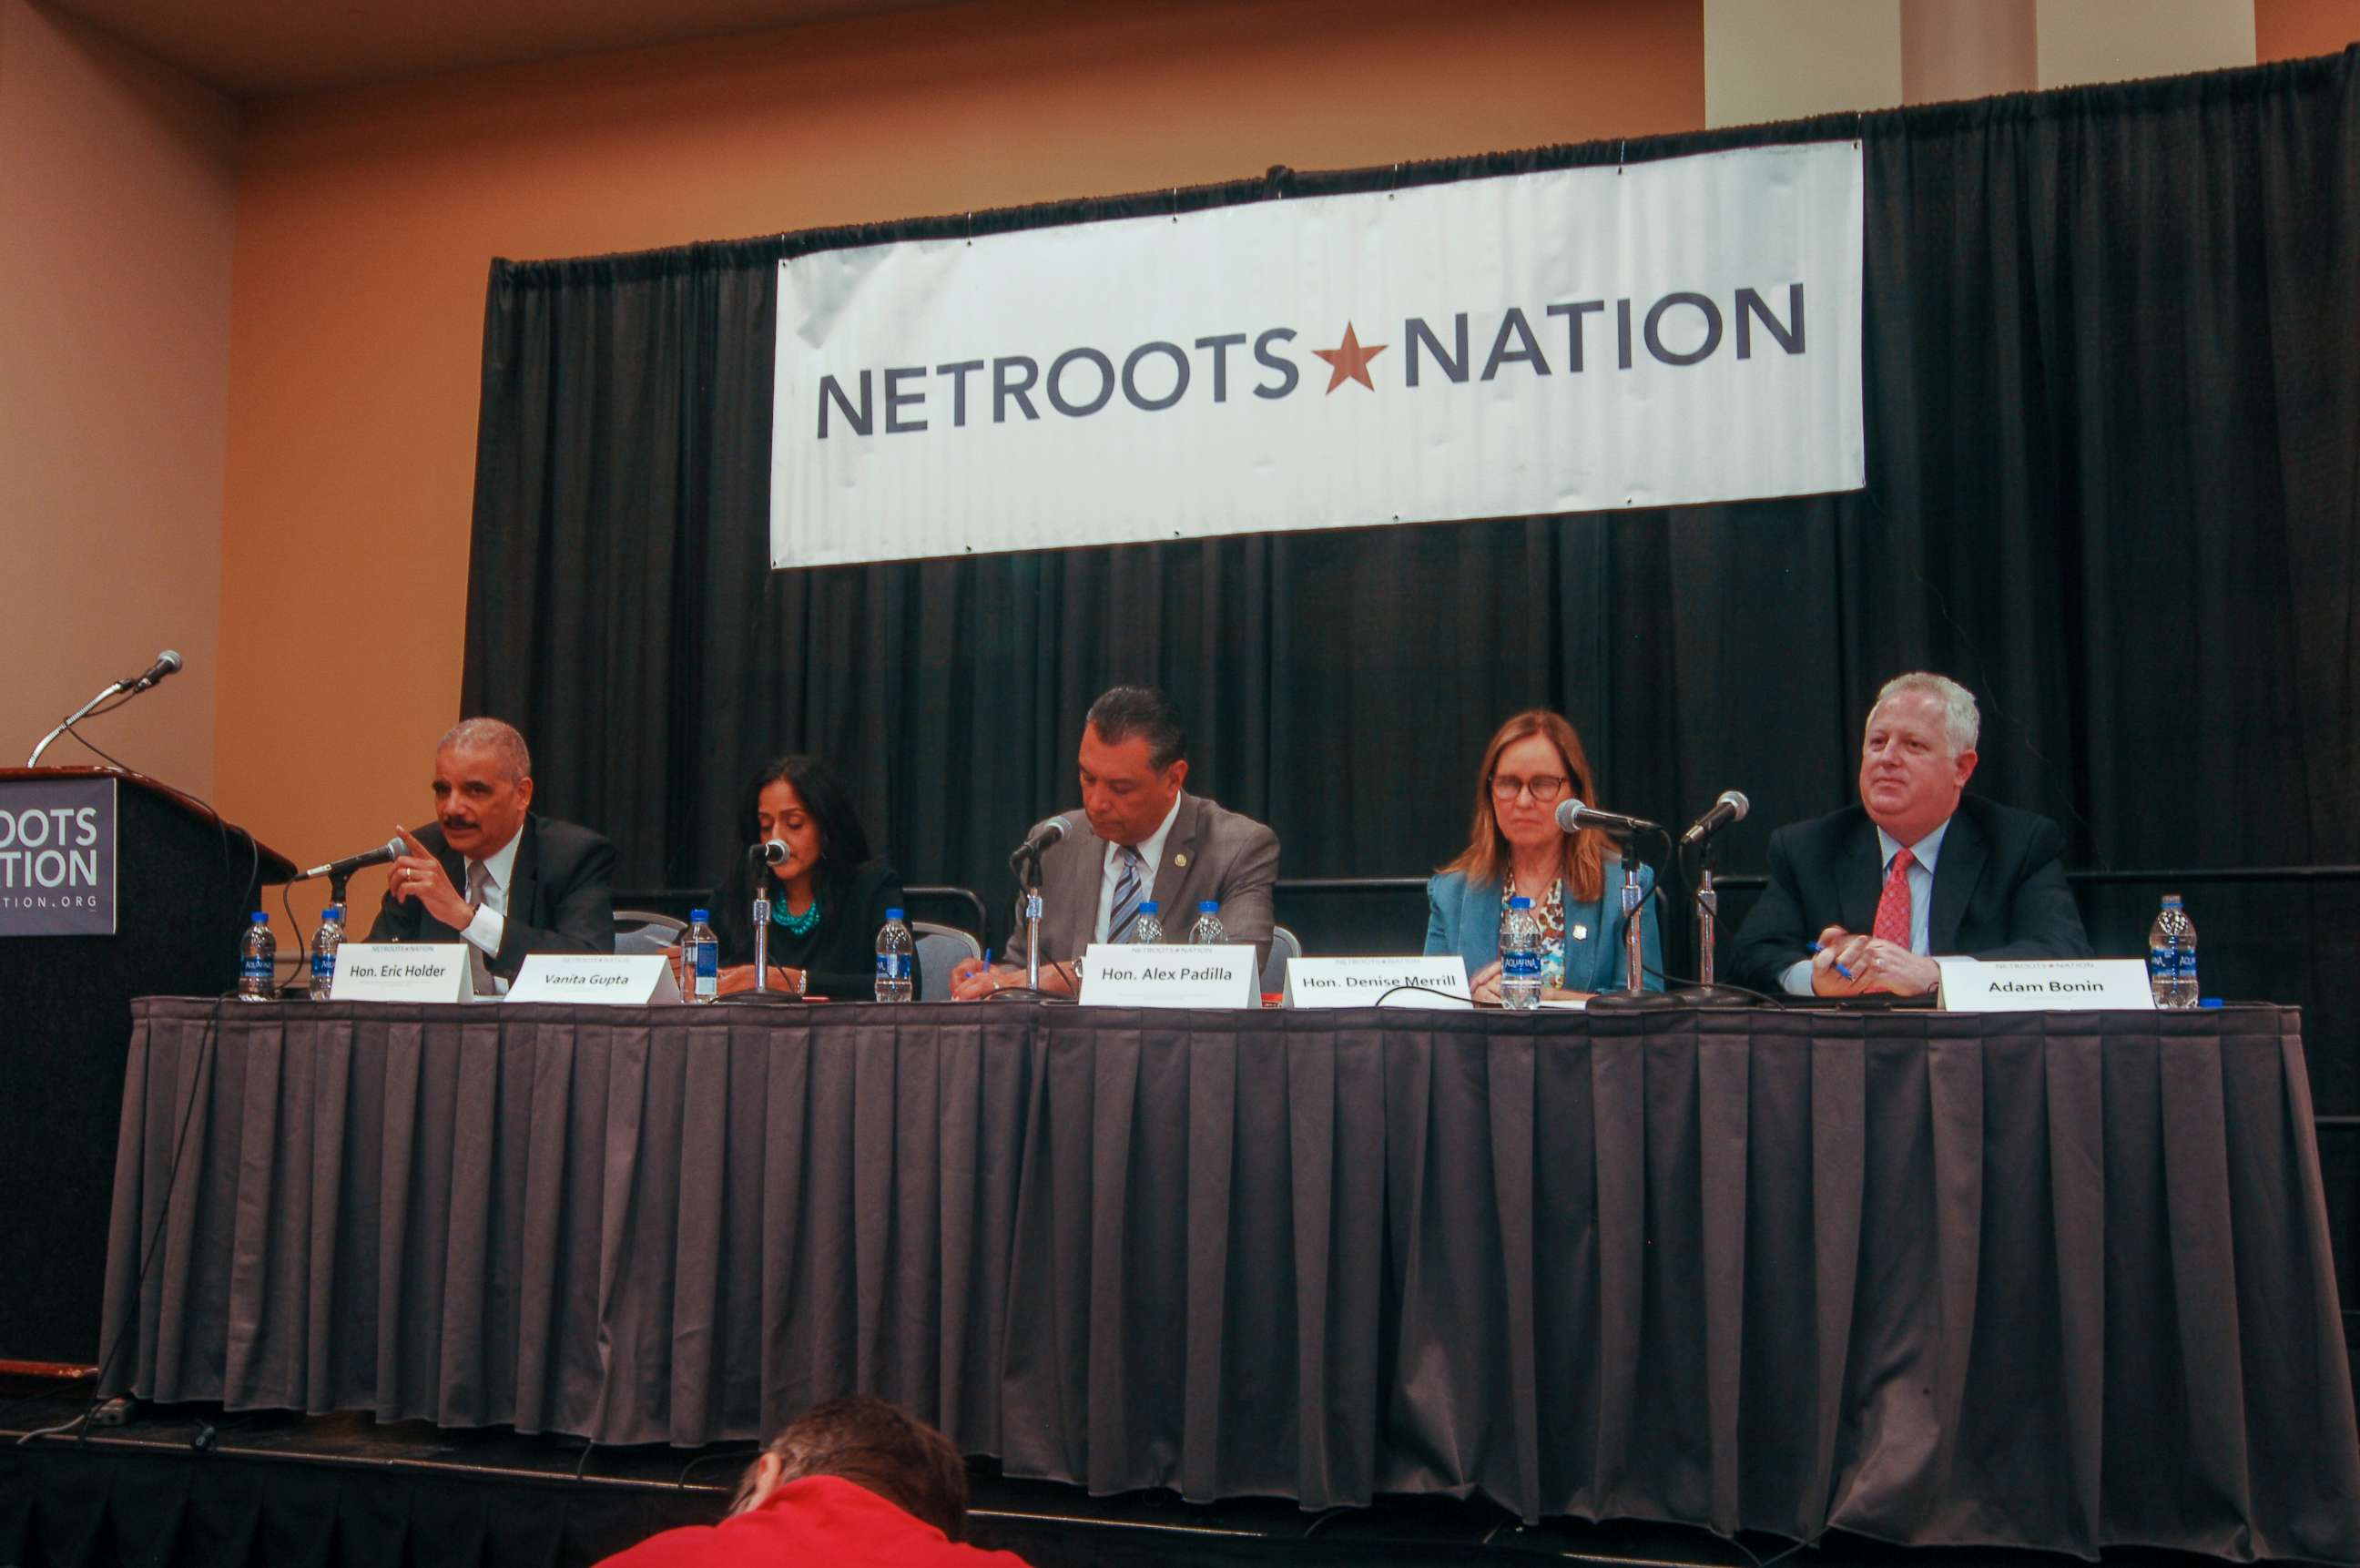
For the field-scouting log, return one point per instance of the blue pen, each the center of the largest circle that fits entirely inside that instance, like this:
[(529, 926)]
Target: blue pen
[(1840, 969)]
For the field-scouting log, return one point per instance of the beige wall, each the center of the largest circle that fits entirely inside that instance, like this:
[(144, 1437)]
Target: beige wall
[(116, 213), (1785, 60), (366, 222), (2120, 40)]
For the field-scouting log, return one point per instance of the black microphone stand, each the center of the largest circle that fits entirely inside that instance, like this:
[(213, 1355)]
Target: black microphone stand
[(1705, 994), (762, 992), (1025, 864), (1635, 997)]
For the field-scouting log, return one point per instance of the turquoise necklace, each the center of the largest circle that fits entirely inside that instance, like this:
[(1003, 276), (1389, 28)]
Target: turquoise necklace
[(799, 924)]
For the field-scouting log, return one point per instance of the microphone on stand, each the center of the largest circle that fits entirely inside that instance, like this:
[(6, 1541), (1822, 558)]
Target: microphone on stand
[(1730, 808), (391, 848), (1041, 838), (769, 852), (1572, 815), (166, 662)]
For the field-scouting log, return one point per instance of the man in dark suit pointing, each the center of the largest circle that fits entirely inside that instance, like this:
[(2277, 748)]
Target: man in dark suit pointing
[(1146, 837), (490, 874), (1916, 870)]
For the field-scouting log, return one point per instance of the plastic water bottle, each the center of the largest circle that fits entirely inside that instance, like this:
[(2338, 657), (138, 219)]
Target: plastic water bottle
[(1147, 928), (257, 961), (700, 956), (895, 945), (1207, 932), (1520, 956), (324, 943), (2172, 956)]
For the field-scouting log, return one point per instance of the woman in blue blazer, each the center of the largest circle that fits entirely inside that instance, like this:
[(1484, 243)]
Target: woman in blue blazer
[(1515, 848)]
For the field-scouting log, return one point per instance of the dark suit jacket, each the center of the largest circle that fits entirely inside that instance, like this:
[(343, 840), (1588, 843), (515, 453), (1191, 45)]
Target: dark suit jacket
[(561, 897), (1999, 891), (1209, 853)]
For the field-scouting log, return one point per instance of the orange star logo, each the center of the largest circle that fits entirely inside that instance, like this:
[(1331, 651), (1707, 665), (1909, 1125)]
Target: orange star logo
[(1350, 360)]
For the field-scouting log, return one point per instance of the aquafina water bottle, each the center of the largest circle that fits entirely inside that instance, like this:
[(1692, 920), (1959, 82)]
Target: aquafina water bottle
[(700, 956), (1520, 956), (1147, 926), (2172, 956), (1207, 932), (895, 945), (257, 961), (324, 943)]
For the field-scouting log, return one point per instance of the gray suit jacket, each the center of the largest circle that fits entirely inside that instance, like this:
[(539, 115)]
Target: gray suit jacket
[(1211, 853)]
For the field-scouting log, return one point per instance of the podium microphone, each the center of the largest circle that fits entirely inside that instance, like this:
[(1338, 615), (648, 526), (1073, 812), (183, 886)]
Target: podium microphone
[(1572, 815), (391, 848), (1730, 808), (166, 662)]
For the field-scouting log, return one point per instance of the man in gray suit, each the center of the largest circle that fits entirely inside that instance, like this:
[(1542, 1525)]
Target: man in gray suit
[(1147, 839)]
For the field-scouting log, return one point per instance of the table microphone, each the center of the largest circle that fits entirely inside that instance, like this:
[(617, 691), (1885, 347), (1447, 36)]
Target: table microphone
[(1042, 836), (1572, 815), (1730, 808), (391, 848), (774, 852)]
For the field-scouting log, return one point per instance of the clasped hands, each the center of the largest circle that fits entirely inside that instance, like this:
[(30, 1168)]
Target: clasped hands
[(1850, 965)]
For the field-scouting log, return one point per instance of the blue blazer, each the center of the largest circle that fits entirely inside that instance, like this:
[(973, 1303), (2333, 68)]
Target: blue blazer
[(1464, 918)]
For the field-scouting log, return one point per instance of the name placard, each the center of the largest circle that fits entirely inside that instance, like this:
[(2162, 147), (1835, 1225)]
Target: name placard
[(616, 980), (2044, 985), (1169, 976), (402, 971), (1376, 983)]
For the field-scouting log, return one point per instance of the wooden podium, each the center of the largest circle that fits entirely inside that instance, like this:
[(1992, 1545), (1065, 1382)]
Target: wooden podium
[(185, 885)]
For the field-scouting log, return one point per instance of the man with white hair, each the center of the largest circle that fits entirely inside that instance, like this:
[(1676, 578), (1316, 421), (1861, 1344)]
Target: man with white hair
[(1862, 900), (492, 874)]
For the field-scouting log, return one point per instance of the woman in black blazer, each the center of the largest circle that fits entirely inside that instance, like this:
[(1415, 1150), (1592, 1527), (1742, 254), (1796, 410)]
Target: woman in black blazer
[(828, 897)]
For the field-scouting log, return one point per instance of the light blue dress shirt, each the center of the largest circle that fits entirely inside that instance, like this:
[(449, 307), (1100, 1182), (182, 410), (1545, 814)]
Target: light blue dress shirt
[(1923, 854)]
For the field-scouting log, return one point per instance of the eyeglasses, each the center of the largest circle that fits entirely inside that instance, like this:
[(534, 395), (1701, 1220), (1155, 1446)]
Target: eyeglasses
[(1546, 787)]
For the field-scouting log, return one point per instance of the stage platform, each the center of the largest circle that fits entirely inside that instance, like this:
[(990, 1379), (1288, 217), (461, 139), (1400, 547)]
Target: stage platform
[(191, 1486)]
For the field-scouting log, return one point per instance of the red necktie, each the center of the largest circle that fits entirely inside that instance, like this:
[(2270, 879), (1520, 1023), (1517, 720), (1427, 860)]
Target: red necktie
[(1893, 905)]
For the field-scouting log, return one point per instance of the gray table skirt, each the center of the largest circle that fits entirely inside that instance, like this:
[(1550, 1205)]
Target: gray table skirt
[(2053, 1280)]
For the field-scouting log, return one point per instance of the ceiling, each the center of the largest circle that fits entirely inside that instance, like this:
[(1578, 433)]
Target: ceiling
[(254, 48)]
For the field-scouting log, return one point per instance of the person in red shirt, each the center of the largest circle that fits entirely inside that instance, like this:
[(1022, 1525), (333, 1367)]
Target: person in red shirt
[(855, 1482)]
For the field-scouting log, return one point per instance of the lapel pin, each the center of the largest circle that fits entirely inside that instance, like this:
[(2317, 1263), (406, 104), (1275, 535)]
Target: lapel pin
[(1181, 859), (1581, 932)]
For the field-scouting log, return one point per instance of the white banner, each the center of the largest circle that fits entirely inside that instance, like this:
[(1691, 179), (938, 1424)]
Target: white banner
[(1662, 334)]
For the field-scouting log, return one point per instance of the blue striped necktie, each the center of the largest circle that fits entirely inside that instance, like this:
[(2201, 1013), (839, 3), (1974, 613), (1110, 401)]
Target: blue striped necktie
[(1127, 892)]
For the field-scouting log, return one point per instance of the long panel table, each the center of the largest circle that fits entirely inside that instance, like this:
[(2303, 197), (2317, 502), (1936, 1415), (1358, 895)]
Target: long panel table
[(2051, 1279)]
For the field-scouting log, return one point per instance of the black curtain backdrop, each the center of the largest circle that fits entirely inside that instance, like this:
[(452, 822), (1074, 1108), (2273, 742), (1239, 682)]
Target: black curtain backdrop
[(2113, 444)]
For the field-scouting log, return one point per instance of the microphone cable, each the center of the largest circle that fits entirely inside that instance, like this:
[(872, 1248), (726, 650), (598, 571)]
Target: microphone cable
[(135, 1307)]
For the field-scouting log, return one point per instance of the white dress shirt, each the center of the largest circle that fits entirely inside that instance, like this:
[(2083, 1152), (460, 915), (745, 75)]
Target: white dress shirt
[(1797, 980), (491, 922), (1150, 854)]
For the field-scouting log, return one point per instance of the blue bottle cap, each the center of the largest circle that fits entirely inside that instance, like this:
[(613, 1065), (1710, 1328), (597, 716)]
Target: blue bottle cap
[(1520, 902), (699, 917), (1209, 907), (2210, 1002), (262, 918), (334, 912), (892, 915), (1147, 907)]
